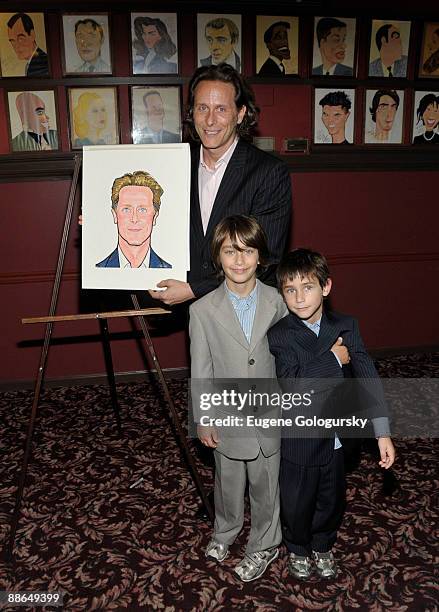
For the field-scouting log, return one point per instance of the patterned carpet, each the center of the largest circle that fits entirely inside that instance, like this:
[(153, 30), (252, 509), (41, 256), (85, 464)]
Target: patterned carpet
[(107, 546)]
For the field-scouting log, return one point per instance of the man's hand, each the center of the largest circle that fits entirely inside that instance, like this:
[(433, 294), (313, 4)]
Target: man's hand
[(176, 292), (208, 435), (341, 351), (387, 452)]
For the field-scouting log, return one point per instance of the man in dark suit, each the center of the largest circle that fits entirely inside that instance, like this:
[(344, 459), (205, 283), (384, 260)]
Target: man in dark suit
[(135, 200), (312, 344), (331, 38), (229, 176), (276, 40), (222, 35), (21, 35), (155, 114)]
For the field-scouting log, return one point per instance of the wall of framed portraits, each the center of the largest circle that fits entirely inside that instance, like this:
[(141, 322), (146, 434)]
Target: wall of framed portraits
[(364, 78)]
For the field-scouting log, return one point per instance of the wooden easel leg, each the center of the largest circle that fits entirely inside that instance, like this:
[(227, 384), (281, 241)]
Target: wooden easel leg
[(103, 324), (178, 428), (43, 358)]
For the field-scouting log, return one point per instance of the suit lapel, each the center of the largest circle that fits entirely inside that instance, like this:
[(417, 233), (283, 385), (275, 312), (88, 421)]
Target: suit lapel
[(302, 335), (225, 314), (265, 312), (330, 330), (197, 233)]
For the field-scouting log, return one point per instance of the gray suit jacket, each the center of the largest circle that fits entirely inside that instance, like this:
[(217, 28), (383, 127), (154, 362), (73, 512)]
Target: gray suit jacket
[(219, 349), (399, 68)]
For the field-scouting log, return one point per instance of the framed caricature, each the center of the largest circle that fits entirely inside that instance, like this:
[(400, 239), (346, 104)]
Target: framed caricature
[(384, 112), (93, 116), (334, 116), (429, 65), (32, 121), (334, 46), (135, 206), (277, 43), (156, 114), (389, 47), (86, 48), (154, 44), (426, 118), (219, 40), (23, 49)]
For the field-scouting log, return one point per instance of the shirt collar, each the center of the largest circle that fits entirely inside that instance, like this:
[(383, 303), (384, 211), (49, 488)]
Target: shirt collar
[(246, 301), (224, 159), (124, 263), (315, 327)]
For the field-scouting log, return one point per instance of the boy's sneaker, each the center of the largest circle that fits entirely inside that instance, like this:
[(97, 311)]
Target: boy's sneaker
[(325, 564), (254, 564), (300, 567), (217, 551)]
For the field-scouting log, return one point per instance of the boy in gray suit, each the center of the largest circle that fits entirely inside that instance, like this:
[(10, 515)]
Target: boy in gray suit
[(228, 332)]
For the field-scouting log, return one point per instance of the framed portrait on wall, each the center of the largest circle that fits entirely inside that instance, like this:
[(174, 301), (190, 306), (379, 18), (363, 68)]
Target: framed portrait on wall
[(154, 43), (156, 114), (389, 48), (86, 44), (384, 116), (429, 64), (426, 118), (334, 116), (135, 205), (93, 116), (334, 46), (23, 48), (277, 44), (33, 122), (219, 40)]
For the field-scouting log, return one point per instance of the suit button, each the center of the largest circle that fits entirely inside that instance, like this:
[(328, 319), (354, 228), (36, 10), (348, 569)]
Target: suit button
[(251, 362), (205, 264)]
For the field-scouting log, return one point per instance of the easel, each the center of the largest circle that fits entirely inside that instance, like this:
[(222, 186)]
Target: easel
[(102, 318)]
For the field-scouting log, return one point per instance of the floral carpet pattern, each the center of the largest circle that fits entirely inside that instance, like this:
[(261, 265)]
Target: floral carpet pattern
[(107, 545)]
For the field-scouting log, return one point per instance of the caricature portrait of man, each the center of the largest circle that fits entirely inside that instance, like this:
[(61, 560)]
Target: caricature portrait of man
[(155, 115), (36, 134), (89, 38), (331, 40), (276, 41), (21, 35), (222, 36), (391, 62), (336, 107), (135, 205), (382, 111)]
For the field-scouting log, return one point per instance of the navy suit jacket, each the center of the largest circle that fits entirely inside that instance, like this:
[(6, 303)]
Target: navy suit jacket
[(38, 66), (300, 354), (339, 70), (112, 261), (255, 183), (270, 68)]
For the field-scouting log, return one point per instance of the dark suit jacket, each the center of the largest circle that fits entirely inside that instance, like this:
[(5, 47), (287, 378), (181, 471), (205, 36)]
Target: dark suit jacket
[(207, 61), (270, 68), (339, 70), (255, 183), (300, 354), (38, 66), (112, 261), (159, 65)]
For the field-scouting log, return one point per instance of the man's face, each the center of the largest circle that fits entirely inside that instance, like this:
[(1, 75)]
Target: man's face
[(23, 43), (334, 119), (385, 114), (150, 36), (154, 112), (278, 45), (88, 42), (220, 43), (216, 116), (36, 118), (333, 47), (135, 215), (391, 49), (304, 297)]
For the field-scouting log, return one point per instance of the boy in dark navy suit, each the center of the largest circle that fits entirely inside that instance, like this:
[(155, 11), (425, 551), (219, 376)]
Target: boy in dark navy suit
[(312, 343)]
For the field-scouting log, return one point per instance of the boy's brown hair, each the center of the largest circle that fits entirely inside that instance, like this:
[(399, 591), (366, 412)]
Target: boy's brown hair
[(302, 262), (243, 228)]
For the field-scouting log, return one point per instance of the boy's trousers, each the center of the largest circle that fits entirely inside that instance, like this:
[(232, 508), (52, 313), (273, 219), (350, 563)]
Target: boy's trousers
[(312, 504), (262, 474)]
